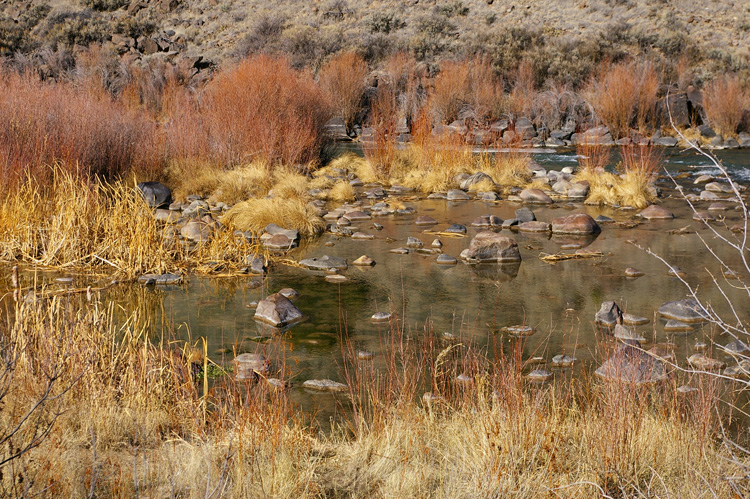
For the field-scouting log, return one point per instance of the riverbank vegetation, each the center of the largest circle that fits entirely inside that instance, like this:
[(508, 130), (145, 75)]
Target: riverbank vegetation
[(92, 406)]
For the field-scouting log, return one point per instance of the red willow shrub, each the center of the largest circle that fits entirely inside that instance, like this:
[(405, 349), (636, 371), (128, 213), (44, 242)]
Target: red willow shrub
[(343, 79), (42, 123), (261, 109)]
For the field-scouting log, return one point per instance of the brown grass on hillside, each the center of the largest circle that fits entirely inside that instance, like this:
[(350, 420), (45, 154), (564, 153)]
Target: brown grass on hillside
[(624, 94), (343, 79), (86, 132), (725, 99)]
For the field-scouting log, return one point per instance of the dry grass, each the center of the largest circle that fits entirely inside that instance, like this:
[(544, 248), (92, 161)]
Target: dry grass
[(633, 187), (130, 417), (291, 213), (74, 223), (342, 191), (725, 99)]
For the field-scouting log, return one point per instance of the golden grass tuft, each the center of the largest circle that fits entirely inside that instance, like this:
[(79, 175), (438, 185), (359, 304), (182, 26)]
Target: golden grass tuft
[(230, 186), (342, 191), (351, 163), (291, 213)]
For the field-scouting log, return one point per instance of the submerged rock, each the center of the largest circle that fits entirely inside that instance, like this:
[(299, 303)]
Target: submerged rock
[(446, 260), (457, 195), (634, 320), (250, 365), (630, 364), (325, 263), (364, 261), (160, 279), (519, 331), (455, 229), (425, 220), (325, 385), (491, 247), (673, 326), (413, 242), (277, 310), (535, 226), (524, 215), (623, 333), (563, 360), (633, 273), (539, 375)]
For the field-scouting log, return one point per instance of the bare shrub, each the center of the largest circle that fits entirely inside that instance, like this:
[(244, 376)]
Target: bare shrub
[(725, 99), (343, 78), (451, 91), (623, 95), (260, 109), (46, 122)]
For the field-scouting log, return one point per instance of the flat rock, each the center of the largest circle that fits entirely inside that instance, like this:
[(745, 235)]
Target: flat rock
[(634, 320), (324, 385), (577, 223), (535, 196), (413, 242), (489, 246), (160, 279), (656, 212), (274, 230), (325, 263), (457, 195), (446, 260), (736, 347), (687, 310), (535, 226), (673, 326), (563, 360), (357, 215), (336, 278), (279, 242), (539, 375), (456, 229), (362, 236), (519, 331), (278, 311), (601, 219), (703, 216), (425, 220), (630, 364), (399, 251)]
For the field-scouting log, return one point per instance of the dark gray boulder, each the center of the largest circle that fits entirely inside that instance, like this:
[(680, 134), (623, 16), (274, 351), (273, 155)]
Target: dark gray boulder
[(609, 314), (688, 311), (156, 194)]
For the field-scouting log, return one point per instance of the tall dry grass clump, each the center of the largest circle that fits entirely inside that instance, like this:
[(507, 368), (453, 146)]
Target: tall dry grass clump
[(77, 223), (725, 99), (85, 132), (261, 109), (343, 79), (624, 95), (633, 182)]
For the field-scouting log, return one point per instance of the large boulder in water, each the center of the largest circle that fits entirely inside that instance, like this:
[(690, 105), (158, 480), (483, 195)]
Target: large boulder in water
[(577, 223), (631, 364), (688, 311), (609, 314), (278, 311), (490, 246), (155, 194)]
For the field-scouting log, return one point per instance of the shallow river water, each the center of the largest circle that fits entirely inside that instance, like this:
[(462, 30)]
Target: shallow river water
[(472, 302)]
